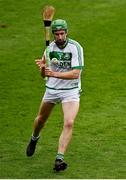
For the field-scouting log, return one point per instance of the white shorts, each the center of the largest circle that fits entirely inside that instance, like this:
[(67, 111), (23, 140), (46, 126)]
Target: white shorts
[(56, 96)]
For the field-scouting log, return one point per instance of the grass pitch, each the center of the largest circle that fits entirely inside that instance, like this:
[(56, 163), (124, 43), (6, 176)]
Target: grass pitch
[(98, 147)]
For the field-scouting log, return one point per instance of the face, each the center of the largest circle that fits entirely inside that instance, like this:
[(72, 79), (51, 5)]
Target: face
[(60, 37)]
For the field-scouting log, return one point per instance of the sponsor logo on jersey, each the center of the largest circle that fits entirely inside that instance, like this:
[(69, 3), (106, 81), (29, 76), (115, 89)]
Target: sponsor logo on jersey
[(61, 59)]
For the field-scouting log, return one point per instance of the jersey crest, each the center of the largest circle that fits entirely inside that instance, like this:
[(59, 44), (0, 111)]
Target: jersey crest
[(61, 59)]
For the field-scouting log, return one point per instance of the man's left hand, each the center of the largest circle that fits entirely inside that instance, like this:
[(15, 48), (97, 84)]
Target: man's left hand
[(49, 72)]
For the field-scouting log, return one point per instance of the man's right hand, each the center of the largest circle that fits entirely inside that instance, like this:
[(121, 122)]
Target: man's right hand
[(42, 65)]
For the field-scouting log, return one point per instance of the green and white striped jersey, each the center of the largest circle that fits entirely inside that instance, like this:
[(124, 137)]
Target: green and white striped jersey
[(63, 60)]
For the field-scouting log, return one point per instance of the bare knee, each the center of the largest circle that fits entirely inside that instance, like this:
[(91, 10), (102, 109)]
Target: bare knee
[(69, 124)]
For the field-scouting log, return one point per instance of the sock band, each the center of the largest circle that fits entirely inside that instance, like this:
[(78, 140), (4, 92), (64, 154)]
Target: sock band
[(35, 138), (60, 156)]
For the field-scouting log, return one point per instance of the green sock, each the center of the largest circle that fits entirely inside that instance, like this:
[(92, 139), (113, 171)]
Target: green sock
[(60, 156)]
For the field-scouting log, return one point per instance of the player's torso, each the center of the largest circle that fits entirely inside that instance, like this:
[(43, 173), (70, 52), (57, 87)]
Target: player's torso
[(61, 61)]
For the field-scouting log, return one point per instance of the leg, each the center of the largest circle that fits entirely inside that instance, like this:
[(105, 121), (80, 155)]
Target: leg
[(70, 110), (43, 114)]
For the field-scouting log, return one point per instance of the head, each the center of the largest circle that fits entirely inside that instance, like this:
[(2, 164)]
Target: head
[(59, 29)]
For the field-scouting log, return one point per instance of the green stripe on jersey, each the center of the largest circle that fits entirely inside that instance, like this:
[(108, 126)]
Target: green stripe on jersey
[(78, 50), (77, 67), (61, 88)]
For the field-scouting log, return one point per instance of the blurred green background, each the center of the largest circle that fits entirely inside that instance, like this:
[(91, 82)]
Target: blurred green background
[(98, 146)]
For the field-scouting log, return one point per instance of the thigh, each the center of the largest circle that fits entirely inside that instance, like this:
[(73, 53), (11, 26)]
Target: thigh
[(70, 110), (45, 109), (51, 96), (70, 96)]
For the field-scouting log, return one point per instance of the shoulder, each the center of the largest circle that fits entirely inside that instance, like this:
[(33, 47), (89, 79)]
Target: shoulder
[(52, 43), (74, 43), (75, 46), (52, 46)]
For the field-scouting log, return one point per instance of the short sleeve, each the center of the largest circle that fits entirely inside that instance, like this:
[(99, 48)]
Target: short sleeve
[(77, 57)]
